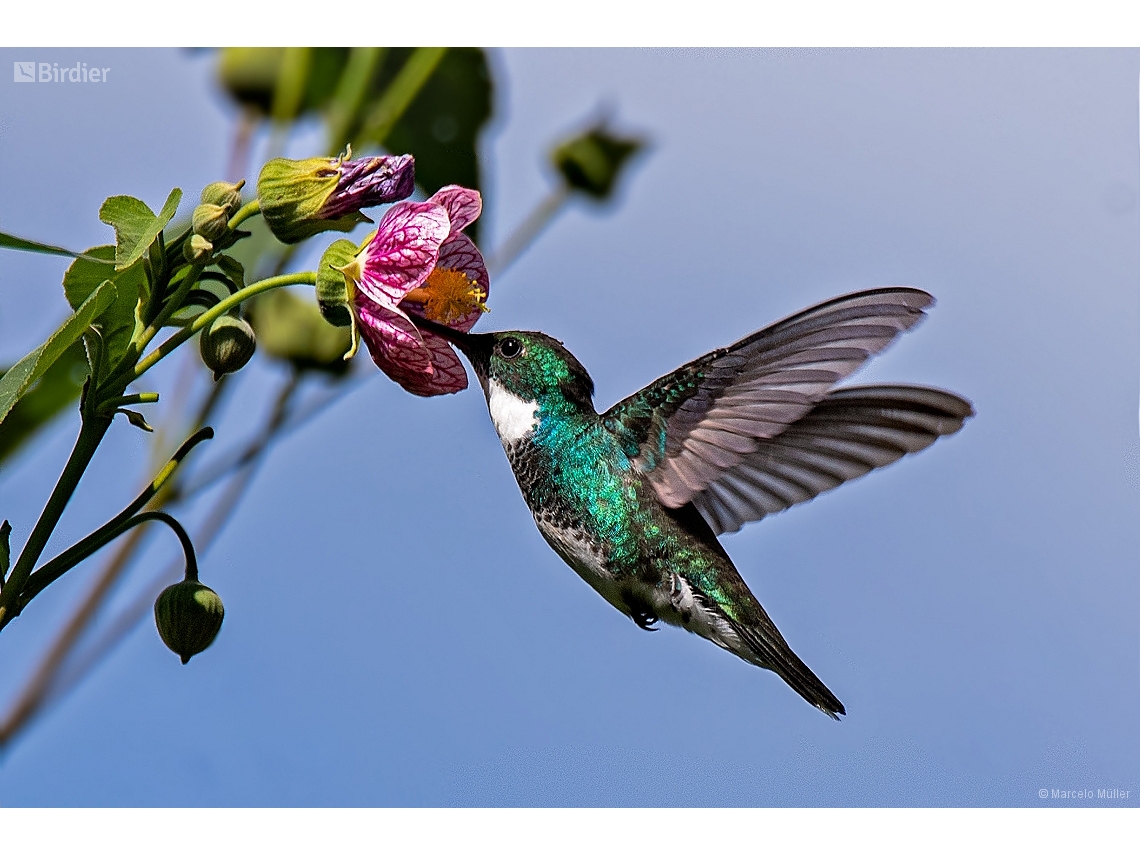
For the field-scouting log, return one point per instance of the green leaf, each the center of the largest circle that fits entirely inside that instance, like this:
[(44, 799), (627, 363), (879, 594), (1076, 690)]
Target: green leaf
[(136, 225), (12, 242), (19, 378), (117, 323), (593, 161), (58, 388), (232, 268), (136, 418)]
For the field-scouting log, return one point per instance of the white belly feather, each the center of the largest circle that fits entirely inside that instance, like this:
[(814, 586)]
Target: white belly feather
[(513, 417)]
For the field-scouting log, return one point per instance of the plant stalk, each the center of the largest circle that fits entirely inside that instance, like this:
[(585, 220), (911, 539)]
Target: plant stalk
[(91, 433), (207, 317)]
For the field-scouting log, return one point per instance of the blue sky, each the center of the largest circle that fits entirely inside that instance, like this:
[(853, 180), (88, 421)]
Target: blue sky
[(397, 632)]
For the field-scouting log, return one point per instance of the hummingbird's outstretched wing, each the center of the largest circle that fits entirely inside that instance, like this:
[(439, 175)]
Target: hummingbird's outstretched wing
[(689, 427), (849, 433)]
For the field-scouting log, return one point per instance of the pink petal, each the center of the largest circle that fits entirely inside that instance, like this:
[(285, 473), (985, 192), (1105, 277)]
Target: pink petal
[(459, 252), (404, 250), (447, 374), (392, 340), (462, 204)]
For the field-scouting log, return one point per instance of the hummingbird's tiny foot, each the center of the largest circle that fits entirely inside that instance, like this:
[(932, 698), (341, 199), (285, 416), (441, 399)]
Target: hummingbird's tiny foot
[(642, 615), (645, 620)]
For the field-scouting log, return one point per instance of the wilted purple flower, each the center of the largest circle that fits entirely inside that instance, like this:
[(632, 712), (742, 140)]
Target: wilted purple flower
[(301, 198), (370, 181), (420, 262)]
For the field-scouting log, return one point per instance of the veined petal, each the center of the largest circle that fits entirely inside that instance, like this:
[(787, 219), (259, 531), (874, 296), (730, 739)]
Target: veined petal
[(447, 375), (403, 251), (370, 181), (462, 204), (392, 339)]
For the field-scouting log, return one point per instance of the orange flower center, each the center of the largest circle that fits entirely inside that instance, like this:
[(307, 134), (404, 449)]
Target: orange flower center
[(449, 295)]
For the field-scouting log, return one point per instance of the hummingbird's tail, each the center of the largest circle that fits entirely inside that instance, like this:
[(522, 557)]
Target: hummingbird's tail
[(769, 650)]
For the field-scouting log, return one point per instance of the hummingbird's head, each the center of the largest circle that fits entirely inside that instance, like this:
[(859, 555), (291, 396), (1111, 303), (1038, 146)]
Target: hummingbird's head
[(530, 366)]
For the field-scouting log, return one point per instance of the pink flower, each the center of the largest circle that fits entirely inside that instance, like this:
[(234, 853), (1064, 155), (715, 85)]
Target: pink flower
[(419, 262)]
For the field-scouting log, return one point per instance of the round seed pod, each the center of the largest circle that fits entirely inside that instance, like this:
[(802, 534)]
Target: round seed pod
[(188, 616), (227, 345)]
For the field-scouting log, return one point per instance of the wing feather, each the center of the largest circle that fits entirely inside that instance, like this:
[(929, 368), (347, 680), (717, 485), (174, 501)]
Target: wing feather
[(849, 433), (687, 428)]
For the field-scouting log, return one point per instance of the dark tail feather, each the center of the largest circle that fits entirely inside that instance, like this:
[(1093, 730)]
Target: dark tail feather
[(775, 654)]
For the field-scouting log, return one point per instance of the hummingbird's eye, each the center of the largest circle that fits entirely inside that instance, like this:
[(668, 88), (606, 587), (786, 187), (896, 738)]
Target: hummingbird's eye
[(510, 348)]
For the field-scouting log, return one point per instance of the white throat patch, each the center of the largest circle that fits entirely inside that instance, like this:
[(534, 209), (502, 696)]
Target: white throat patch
[(513, 417)]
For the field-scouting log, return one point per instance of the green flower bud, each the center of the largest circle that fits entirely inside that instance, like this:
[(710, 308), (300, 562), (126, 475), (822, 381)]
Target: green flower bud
[(210, 221), (224, 194), (188, 616), (197, 250), (227, 345), (592, 161), (333, 296)]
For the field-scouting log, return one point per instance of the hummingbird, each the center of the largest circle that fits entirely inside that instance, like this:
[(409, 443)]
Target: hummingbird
[(633, 499)]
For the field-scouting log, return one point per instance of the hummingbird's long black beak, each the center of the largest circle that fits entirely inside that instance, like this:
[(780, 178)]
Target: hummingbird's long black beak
[(477, 348)]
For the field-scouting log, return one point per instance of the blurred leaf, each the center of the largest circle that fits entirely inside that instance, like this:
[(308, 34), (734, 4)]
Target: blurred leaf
[(394, 93), (351, 90), (117, 322), (57, 389), (19, 378), (441, 126), (136, 225), (250, 76), (592, 162), (292, 329), (22, 244)]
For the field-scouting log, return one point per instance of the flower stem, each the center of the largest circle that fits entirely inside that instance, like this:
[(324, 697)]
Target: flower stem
[(91, 433), (97, 540), (537, 220), (249, 209), (103, 535), (148, 334), (107, 407), (307, 277)]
